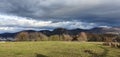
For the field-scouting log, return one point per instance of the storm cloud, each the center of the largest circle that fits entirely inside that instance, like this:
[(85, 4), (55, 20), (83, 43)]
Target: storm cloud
[(60, 12)]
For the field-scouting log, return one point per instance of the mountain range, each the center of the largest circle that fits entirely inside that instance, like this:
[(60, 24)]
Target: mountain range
[(97, 30)]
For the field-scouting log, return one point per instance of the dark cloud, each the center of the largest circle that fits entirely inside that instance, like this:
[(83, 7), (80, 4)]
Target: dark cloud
[(101, 12)]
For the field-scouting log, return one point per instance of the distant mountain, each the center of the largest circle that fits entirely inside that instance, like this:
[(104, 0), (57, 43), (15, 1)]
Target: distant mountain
[(60, 31), (29, 31), (77, 31), (6, 35), (97, 30), (46, 32), (104, 30)]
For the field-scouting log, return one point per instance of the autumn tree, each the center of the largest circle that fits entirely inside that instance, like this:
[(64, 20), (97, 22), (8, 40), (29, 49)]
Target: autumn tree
[(66, 37), (82, 37), (41, 37), (23, 36), (54, 38), (32, 36), (36, 36)]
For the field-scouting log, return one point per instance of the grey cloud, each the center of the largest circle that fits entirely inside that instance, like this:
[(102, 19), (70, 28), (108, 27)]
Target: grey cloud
[(16, 23), (104, 12)]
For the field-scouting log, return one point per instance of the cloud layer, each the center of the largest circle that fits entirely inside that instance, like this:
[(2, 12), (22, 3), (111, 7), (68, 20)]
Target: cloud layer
[(15, 23), (56, 13)]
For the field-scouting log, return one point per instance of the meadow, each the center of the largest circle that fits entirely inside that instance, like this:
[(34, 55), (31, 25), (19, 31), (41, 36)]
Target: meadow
[(57, 49)]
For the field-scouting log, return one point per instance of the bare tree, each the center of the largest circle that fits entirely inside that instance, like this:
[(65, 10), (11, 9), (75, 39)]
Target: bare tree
[(23, 36), (66, 37), (82, 36), (41, 37), (110, 40)]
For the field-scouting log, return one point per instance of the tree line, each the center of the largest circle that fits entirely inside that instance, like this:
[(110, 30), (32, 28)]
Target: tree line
[(82, 36), (37, 36), (108, 39)]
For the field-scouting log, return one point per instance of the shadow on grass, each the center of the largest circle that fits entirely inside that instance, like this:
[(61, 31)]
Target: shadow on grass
[(40, 55)]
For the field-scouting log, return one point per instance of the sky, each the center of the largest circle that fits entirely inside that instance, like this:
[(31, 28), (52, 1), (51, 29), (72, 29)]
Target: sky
[(17, 15)]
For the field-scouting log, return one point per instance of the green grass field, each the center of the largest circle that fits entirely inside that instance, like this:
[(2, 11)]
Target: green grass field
[(56, 49)]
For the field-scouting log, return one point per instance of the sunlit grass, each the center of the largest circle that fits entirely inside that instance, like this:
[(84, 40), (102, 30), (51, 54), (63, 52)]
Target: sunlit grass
[(56, 49)]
